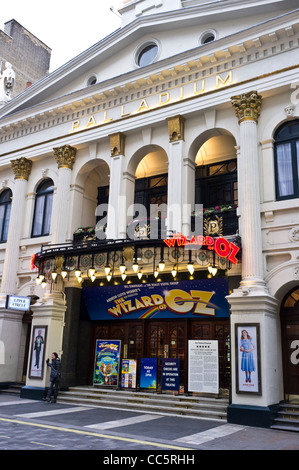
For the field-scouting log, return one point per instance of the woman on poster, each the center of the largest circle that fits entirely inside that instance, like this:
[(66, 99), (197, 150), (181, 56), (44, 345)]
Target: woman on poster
[(247, 361)]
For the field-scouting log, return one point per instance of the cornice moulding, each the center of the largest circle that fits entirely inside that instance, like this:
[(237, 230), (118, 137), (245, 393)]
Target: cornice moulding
[(76, 65)]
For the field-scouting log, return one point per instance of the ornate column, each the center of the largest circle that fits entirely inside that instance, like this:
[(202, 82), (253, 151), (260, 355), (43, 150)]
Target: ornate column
[(21, 168), (117, 201), (10, 320), (247, 107), (251, 305), (176, 129), (65, 157)]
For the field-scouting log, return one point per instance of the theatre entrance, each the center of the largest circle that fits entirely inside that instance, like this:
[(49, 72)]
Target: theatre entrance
[(290, 344), (166, 339)]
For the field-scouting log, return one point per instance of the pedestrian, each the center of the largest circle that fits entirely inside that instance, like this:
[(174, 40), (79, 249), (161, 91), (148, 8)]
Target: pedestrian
[(54, 378)]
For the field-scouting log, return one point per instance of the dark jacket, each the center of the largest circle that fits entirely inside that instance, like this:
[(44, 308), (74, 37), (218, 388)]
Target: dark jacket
[(55, 368)]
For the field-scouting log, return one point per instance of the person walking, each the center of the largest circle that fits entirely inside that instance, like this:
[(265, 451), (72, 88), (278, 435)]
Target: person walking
[(54, 378)]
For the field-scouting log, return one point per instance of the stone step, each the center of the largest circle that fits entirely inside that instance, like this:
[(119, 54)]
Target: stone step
[(287, 418), (204, 408)]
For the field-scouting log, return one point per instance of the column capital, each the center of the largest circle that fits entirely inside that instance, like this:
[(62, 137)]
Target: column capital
[(21, 168), (117, 144), (176, 128), (65, 156), (247, 106)]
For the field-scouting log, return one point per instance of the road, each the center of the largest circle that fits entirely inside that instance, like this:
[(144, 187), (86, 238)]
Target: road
[(121, 434)]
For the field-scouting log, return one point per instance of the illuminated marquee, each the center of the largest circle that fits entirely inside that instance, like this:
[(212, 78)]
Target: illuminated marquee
[(221, 246)]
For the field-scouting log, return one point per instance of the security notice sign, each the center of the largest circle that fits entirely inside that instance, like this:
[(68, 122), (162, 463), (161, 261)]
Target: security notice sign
[(203, 369)]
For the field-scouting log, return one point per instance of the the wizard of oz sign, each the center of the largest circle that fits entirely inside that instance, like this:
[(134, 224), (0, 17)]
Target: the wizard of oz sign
[(185, 299)]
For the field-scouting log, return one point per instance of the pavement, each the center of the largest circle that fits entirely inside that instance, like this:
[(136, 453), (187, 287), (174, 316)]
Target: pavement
[(120, 434)]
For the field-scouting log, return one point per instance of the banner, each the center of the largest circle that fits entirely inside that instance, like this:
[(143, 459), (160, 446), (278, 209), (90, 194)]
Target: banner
[(148, 373), (170, 375), (128, 373), (106, 367), (160, 300)]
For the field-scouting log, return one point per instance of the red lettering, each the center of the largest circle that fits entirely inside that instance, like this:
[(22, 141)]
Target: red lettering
[(222, 247), (232, 256)]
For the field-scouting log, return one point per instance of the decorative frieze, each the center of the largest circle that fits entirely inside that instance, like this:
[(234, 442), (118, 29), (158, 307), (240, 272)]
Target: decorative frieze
[(247, 106), (65, 156), (176, 128), (117, 144), (21, 168)]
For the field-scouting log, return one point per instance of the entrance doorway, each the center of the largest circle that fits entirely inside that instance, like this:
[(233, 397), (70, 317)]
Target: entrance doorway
[(166, 339), (290, 344)]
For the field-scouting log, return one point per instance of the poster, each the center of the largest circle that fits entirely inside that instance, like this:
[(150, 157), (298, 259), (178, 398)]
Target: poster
[(204, 298), (170, 375), (148, 373), (203, 366), (247, 358), (128, 373), (37, 357), (106, 367)]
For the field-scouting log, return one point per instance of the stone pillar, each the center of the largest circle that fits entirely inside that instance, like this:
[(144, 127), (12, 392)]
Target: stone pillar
[(247, 107), (10, 320), (65, 157), (176, 127), (251, 304), (116, 217), (22, 169)]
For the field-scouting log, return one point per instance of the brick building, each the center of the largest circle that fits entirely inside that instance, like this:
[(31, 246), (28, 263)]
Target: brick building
[(30, 57)]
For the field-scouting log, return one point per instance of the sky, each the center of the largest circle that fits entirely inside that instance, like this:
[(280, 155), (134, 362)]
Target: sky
[(65, 26)]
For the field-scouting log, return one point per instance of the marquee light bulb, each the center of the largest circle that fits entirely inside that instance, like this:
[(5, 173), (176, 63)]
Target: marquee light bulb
[(135, 267), (161, 265), (191, 268), (122, 268)]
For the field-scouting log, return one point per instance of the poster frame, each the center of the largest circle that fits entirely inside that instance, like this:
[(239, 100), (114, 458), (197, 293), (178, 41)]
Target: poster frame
[(118, 362), (255, 327), (35, 332)]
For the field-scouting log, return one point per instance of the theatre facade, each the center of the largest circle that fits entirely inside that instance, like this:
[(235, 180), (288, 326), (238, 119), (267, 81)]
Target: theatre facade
[(149, 210)]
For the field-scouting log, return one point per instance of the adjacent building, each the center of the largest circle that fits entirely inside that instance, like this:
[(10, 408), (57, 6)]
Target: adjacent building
[(150, 206)]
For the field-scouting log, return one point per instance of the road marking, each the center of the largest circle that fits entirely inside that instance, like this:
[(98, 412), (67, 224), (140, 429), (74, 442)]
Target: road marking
[(41, 444), (123, 422), (104, 436), (210, 434), (58, 411), (16, 402)]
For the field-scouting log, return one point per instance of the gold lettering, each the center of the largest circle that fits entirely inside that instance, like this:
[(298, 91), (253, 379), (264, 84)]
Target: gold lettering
[(182, 93), (107, 119), (91, 121), (162, 96), (143, 106), (203, 87), (228, 80), (75, 125), (123, 114)]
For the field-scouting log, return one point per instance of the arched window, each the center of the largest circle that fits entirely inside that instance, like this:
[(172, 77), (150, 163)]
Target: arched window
[(43, 208), (287, 160), (5, 207)]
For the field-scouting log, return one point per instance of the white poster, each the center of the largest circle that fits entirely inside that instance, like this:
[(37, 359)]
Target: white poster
[(203, 369)]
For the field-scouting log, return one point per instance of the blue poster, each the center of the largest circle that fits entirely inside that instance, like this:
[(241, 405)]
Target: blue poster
[(170, 375), (148, 373), (159, 300), (106, 368)]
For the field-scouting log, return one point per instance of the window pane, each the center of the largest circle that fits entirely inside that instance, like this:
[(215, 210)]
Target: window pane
[(297, 148), (6, 222), (38, 216), (284, 170), (48, 212)]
